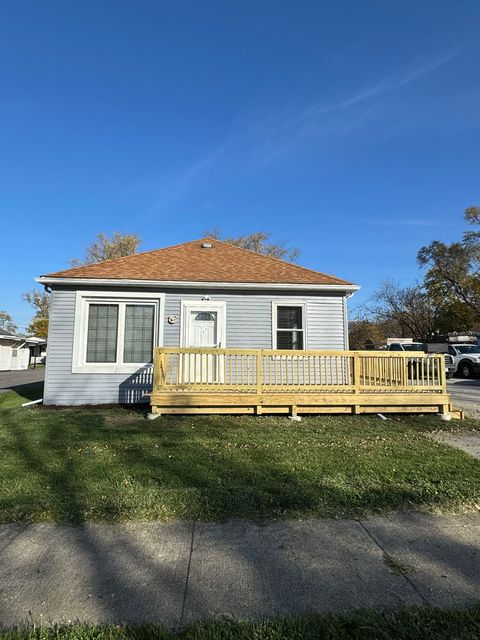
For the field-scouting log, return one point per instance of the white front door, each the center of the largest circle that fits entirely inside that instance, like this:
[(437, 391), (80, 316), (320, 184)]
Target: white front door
[(204, 328)]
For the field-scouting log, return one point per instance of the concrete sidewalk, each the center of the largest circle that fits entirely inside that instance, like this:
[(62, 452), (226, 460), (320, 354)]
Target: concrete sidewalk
[(179, 572)]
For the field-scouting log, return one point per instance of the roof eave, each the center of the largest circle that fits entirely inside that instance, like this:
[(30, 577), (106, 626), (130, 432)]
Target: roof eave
[(117, 282)]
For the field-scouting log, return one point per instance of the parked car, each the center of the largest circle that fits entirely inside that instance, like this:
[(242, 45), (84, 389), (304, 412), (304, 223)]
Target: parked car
[(466, 359), (409, 346), (450, 366)]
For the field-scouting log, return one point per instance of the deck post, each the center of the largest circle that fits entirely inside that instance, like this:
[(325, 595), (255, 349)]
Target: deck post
[(444, 410), (405, 369), (159, 369), (442, 373), (258, 407), (259, 371), (356, 371), (156, 372), (356, 381)]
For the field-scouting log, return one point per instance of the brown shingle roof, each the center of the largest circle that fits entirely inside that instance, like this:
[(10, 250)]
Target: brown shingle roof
[(190, 262)]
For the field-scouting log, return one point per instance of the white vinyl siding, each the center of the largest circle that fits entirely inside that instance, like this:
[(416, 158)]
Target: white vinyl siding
[(326, 326), (14, 355), (5, 356)]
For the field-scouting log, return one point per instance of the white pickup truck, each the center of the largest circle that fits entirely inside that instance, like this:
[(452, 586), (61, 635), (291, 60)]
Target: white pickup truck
[(450, 366), (466, 358)]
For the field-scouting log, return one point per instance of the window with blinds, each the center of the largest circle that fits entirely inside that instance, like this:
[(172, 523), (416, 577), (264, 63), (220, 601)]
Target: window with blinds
[(290, 334), (102, 333), (120, 333), (138, 335)]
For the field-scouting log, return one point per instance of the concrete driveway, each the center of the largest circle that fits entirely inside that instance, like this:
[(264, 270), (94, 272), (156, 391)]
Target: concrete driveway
[(465, 394), (11, 379)]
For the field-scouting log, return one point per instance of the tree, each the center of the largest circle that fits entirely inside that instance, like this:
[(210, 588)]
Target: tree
[(38, 327), (410, 308), (472, 216), (118, 245), (453, 270), (258, 242), (40, 301), (455, 316), (6, 322), (369, 333)]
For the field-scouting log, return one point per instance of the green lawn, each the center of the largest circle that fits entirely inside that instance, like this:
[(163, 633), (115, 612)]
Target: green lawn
[(410, 623), (71, 465)]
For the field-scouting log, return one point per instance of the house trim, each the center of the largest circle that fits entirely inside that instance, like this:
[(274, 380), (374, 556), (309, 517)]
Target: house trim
[(113, 282), (82, 301), (346, 336)]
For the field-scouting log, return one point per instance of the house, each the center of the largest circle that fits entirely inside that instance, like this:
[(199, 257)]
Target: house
[(105, 318), (16, 350)]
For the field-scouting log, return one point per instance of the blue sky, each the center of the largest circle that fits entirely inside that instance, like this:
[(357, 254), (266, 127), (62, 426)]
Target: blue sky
[(349, 129)]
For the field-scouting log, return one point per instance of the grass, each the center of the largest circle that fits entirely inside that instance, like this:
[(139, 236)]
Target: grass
[(409, 623), (77, 464)]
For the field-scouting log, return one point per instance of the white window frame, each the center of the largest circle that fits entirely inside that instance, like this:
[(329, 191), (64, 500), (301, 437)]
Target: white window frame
[(204, 305), (289, 303), (82, 303)]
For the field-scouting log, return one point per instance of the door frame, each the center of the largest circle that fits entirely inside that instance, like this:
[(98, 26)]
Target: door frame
[(203, 305)]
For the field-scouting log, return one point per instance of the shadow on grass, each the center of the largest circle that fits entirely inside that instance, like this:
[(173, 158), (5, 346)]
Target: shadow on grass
[(31, 391), (81, 468), (113, 464)]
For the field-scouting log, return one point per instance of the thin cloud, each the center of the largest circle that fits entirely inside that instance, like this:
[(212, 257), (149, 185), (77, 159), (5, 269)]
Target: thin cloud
[(399, 80), (291, 126), (276, 133)]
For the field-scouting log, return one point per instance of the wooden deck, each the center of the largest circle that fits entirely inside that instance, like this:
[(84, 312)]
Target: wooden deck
[(258, 381)]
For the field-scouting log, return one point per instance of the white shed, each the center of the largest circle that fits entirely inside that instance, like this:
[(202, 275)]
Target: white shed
[(15, 351)]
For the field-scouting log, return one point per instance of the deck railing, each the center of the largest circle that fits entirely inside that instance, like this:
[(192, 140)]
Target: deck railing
[(273, 370)]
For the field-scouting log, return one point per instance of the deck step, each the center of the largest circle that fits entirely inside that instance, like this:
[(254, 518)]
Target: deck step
[(456, 413)]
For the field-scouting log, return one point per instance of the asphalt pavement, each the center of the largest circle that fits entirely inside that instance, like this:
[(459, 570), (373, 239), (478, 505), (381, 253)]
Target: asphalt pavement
[(11, 379), (465, 395)]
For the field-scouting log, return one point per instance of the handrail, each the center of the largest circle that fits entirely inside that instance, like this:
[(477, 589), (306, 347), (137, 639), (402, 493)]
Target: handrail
[(329, 371)]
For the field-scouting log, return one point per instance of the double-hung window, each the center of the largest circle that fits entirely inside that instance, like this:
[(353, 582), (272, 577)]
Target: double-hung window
[(289, 326), (115, 334)]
